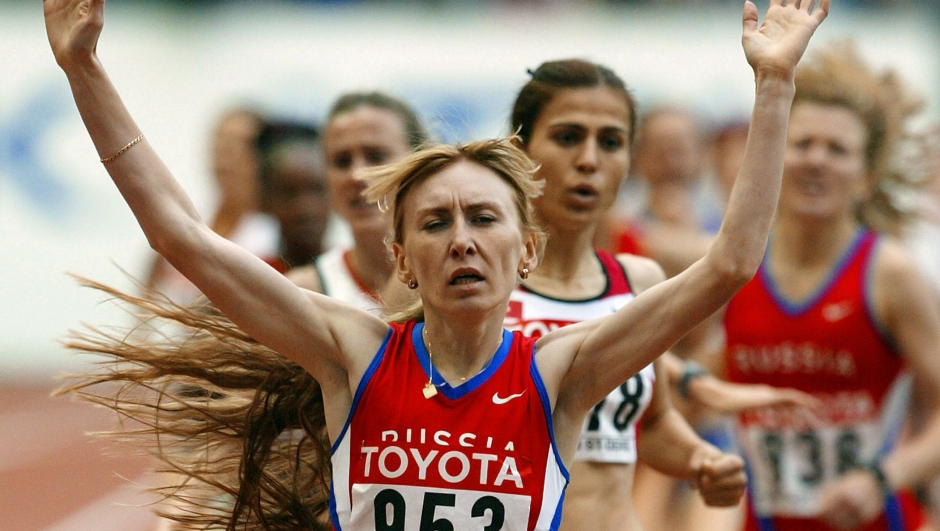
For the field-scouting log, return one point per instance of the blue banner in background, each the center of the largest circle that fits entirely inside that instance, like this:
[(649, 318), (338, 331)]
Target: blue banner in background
[(26, 152)]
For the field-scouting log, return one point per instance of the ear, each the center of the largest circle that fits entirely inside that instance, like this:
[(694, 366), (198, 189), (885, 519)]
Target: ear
[(530, 252), (402, 270)]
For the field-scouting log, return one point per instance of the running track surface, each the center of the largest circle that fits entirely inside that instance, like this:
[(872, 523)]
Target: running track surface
[(54, 477)]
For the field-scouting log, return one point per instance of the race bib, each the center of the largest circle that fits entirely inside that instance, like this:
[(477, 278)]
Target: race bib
[(792, 458), (608, 434), (385, 507)]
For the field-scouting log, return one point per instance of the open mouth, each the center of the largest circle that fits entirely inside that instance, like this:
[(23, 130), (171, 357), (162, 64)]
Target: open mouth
[(465, 278), (582, 196), (812, 187), (586, 192)]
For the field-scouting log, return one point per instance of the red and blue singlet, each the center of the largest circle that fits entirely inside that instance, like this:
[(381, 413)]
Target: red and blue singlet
[(479, 455), (831, 346)]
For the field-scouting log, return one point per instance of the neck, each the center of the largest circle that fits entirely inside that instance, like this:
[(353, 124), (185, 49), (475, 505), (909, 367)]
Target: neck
[(299, 255), (370, 261), (568, 268), (566, 243), (459, 352), (808, 243), (671, 203)]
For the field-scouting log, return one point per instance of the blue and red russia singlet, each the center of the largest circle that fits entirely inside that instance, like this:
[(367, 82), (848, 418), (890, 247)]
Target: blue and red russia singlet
[(828, 345), (480, 455), (609, 431)]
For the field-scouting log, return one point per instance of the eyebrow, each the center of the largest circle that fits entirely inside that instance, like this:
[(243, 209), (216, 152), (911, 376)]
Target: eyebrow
[(579, 126), (472, 208)]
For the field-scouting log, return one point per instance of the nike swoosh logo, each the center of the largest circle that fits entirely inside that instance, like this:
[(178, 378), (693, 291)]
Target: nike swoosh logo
[(837, 311), (499, 400)]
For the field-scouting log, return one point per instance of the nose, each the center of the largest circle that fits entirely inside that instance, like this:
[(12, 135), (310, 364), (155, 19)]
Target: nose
[(462, 243), (816, 155), (356, 165), (354, 174), (587, 157)]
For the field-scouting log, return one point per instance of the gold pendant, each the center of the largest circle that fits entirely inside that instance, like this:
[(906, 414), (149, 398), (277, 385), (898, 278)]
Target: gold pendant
[(429, 390)]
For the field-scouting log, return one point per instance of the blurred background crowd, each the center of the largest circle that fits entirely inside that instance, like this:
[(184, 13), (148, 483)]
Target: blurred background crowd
[(228, 90)]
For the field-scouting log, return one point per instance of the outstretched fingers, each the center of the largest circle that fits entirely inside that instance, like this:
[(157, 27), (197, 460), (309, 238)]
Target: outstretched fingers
[(73, 27), (819, 9), (822, 10), (776, 45)]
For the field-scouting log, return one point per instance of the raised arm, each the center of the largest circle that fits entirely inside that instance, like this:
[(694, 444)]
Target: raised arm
[(248, 291), (611, 349)]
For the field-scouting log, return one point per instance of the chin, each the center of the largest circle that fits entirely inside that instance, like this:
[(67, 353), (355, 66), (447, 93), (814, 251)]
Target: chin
[(816, 214), (476, 303)]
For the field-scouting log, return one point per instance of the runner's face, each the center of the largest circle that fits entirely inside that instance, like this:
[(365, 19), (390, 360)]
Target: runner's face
[(462, 239), (824, 169), (360, 138), (670, 151), (235, 161), (297, 196), (581, 142)]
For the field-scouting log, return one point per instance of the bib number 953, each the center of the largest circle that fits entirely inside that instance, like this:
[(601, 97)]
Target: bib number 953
[(401, 507)]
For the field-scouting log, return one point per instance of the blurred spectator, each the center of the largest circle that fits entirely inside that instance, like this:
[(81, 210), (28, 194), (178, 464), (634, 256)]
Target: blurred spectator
[(294, 190), (727, 153), (666, 211), (363, 129), (235, 167), (669, 211)]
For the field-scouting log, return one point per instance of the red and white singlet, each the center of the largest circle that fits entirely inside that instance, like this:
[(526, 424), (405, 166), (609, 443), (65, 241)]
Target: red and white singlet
[(480, 455), (828, 345), (609, 431), (338, 281)]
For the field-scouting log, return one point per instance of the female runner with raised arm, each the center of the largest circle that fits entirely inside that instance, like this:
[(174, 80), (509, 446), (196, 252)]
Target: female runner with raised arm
[(840, 310), (575, 119), (412, 442)]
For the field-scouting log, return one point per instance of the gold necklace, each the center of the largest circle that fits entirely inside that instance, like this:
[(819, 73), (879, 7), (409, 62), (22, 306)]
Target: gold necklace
[(429, 388)]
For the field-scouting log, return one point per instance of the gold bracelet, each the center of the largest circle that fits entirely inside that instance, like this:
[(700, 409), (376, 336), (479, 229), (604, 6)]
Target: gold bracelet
[(122, 150)]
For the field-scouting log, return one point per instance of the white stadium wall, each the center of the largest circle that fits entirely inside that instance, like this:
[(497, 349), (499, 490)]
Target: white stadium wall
[(177, 69)]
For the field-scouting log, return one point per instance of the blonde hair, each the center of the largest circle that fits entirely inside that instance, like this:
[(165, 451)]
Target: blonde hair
[(839, 76), (390, 184)]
